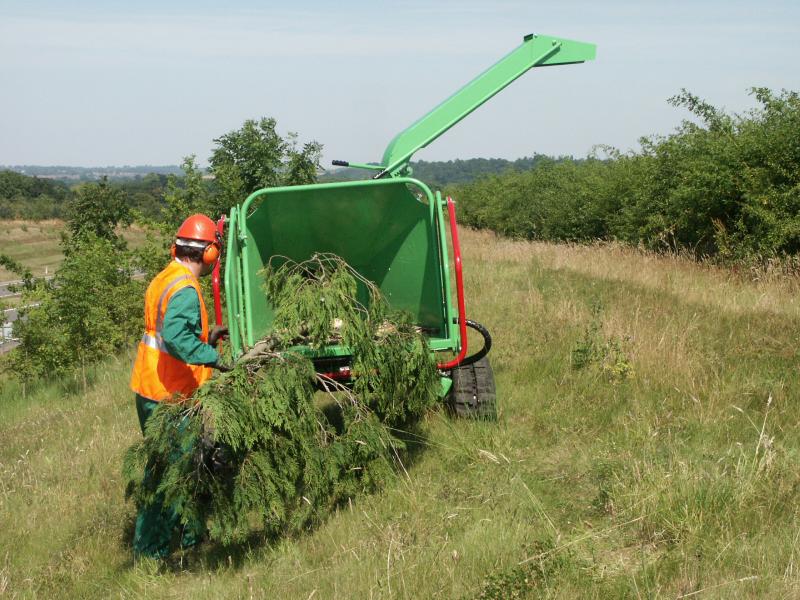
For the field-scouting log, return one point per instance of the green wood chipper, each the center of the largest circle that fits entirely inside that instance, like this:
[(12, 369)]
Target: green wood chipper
[(391, 228)]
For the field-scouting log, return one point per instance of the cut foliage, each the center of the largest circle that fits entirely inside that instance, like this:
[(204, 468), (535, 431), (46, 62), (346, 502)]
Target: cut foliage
[(258, 447)]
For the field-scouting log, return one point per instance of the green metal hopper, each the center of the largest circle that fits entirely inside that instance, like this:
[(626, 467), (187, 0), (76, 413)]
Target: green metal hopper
[(390, 228)]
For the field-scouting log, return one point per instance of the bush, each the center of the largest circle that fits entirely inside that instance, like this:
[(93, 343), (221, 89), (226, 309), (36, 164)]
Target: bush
[(727, 187), (92, 307), (90, 310)]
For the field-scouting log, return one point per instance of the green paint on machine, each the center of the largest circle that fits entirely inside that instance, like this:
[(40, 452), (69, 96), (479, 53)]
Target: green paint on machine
[(390, 228)]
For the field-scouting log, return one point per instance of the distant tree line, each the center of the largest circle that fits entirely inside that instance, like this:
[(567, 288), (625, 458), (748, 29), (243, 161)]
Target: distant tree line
[(34, 199), (254, 156), (23, 197), (441, 173), (726, 186), (78, 174)]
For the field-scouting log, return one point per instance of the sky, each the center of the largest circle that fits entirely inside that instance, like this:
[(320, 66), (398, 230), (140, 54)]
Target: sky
[(98, 83)]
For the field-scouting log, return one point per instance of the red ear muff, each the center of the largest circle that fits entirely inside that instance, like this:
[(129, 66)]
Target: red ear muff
[(211, 254)]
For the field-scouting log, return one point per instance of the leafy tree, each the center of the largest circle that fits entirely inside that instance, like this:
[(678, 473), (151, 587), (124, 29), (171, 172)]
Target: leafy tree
[(145, 195), (98, 302), (92, 308), (97, 210), (256, 156), (184, 196)]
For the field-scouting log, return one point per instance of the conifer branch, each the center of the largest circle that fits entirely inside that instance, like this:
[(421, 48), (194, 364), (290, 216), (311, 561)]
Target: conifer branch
[(275, 442)]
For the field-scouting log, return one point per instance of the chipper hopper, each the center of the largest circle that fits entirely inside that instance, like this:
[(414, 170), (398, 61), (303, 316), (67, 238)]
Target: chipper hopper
[(391, 228)]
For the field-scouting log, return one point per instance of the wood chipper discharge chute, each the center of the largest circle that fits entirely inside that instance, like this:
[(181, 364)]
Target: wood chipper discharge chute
[(390, 228)]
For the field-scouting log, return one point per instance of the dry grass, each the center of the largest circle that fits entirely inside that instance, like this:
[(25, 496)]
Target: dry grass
[(676, 479), (686, 280), (36, 244)]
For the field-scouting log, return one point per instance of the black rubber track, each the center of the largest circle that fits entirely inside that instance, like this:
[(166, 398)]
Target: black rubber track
[(473, 393)]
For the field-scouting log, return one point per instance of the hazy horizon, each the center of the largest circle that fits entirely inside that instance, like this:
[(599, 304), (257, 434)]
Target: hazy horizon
[(105, 83)]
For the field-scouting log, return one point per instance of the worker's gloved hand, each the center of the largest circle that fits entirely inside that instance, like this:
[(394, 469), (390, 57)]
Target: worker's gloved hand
[(222, 367), (217, 332)]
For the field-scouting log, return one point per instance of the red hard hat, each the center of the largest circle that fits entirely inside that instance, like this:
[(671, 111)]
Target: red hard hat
[(198, 227)]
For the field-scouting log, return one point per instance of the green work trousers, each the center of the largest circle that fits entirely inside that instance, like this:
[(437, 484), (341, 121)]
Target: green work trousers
[(155, 523)]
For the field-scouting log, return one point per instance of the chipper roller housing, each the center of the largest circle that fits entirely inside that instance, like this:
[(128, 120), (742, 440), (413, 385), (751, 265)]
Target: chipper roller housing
[(391, 228)]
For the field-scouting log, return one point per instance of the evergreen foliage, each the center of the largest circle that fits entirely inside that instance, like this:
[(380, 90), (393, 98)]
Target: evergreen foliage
[(260, 446)]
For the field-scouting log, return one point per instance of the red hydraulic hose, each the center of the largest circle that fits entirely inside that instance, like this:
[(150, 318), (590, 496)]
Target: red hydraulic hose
[(462, 317), (215, 275)]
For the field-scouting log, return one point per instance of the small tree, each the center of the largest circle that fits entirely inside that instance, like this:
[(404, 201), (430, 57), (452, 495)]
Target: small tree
[(256, 156), (184, 197), (98, 303), (97, 210), (92, 308)]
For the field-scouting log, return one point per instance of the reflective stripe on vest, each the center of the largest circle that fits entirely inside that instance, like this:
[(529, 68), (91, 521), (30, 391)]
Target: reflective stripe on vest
[(155, 342), (160, 312)]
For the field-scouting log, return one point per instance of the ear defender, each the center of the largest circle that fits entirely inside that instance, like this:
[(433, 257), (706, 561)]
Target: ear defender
[(211, 254), (211, 250)]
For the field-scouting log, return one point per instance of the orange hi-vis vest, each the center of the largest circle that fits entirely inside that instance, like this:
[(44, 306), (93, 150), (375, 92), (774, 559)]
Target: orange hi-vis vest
[(157, 375)]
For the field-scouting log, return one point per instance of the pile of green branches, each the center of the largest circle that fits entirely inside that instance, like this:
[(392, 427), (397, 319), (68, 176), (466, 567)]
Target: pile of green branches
[(275, 446)]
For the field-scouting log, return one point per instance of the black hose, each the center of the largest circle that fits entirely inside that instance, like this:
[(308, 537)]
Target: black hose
[(487, 342)]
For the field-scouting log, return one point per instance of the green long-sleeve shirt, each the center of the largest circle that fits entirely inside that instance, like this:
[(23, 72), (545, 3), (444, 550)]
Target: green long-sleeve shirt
[(183, 327)]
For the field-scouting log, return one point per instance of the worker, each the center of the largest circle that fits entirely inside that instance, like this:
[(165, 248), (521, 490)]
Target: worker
[(175, 357)]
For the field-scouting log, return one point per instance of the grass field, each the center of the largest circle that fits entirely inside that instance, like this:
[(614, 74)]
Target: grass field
[(36, 244), (647, 447)]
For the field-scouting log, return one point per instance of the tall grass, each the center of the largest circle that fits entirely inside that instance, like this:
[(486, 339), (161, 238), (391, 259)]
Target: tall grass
[(673, 477)]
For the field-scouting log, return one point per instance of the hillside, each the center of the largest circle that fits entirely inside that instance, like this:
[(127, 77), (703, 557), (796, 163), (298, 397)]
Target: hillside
[(647, 447), (34, 244)]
